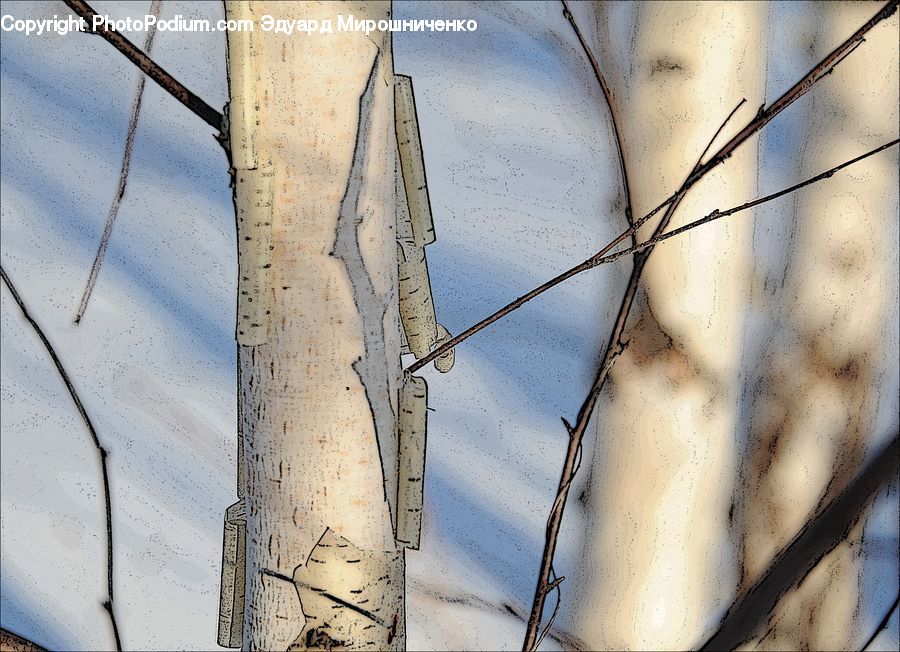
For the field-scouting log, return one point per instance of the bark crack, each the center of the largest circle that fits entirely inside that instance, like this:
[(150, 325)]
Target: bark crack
[(372, 366)]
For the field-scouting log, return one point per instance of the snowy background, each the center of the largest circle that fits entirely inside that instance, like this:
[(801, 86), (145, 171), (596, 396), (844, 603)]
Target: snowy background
[(522, 177)]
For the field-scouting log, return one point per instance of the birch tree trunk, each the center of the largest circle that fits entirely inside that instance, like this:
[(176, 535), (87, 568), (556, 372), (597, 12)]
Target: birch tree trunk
[(814, 411), (314, 154), (655, 554)]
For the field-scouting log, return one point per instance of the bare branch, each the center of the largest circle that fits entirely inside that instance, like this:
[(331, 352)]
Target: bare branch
[(108, 603), (820, 535), (174, 87), (123, 174), (614, 348), (717, 214), (762, 118), (641, 253), (883, 624), (610, 104)]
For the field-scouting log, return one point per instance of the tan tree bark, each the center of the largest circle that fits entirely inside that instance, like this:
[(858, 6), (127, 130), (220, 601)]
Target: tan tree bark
[(814, 411), (10, 642), (655, 554), (314, 153)]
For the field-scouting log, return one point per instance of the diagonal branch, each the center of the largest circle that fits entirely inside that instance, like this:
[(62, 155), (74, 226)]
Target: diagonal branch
[(108, 603), (763, 117), (614, 347), (123, 174), (153, 70), (820, 535), (717, 214), (534, 622)]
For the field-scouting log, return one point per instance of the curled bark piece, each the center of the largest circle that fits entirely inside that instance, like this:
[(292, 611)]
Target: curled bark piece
[(413, 426), (234, 564), (444, 363), (412, 161), (415, 229), (414, 285)]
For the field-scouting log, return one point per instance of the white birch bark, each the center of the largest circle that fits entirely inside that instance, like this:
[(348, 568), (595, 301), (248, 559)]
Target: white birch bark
[(655, 554), (814, 411), (320, 369)]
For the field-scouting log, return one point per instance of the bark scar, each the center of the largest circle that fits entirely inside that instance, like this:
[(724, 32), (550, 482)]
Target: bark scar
[(372, 367), (360, 602)]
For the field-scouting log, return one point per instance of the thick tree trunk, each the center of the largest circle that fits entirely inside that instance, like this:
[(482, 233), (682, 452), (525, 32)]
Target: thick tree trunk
[(814, 412), (656, 554), (314, 152)]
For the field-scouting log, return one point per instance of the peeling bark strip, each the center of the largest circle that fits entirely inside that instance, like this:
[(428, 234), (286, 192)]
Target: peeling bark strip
[(413, 429), (412, 161), (415, 229), (253, 180), (243, 84), (354, 612), (318, 395), (372, 366), (234, 565)]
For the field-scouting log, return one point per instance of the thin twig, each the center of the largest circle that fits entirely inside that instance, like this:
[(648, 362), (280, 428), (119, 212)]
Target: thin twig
[(717, 214), (820, 535), (763, 117), (555, 583), (614, 348), (153, 70), (123, 174), (629, 217), (611, 105), (108, 603), (883, 624), (441, 594)]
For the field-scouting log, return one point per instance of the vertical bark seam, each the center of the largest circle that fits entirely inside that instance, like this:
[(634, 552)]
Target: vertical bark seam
[(372, 307)]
